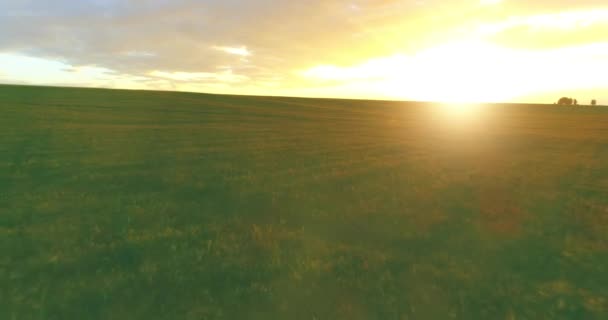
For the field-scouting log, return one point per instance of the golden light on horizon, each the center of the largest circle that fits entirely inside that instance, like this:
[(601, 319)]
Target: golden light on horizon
[(477, 68), (457, 121)]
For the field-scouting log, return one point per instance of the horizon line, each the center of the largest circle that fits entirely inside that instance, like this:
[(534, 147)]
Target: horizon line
[(59, 86)]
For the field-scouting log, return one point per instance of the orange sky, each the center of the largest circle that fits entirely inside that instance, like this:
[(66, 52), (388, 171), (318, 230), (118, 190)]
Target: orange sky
[(458, 50)]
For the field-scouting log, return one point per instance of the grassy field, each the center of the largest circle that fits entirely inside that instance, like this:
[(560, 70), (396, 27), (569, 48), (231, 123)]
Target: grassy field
[(160, 205)]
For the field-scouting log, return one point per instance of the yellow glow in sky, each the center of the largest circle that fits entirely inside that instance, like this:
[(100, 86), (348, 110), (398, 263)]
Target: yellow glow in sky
[(477, 69), (489, 2), (472, 71)]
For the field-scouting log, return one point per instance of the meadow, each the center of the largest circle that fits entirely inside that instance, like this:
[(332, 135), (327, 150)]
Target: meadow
[(162, 205)]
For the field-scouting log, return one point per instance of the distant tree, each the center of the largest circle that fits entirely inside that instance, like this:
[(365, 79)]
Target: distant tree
[(564, 101), (593, 102), (575, 102)]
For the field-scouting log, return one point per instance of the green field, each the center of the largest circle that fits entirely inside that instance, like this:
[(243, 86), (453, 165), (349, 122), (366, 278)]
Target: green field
[(161, 205)]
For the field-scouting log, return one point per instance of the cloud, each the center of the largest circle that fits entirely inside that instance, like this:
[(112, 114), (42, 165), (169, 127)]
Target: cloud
[(550, 29), (267, 43), (238, 51), (28, 70), (139, 54), (225, 76), (377, 68), (188, 35)]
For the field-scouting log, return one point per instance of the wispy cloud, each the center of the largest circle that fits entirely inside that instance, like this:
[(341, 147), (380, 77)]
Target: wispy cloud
[(139, 54), (238, 51), (224, 76), (550, 22)]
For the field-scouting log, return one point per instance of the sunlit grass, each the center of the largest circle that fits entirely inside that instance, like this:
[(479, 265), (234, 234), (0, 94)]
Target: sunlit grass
[(158, 205)]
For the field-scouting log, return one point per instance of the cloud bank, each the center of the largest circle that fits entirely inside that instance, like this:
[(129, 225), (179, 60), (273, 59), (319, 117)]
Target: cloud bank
[(317, 47)]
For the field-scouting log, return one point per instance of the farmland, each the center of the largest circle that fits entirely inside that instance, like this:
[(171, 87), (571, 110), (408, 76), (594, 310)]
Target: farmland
[(162, 205)]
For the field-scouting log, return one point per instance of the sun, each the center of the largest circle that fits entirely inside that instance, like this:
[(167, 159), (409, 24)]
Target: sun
[(457, 73)]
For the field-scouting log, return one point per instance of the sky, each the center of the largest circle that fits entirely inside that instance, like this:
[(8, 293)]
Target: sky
[(426, 50)]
